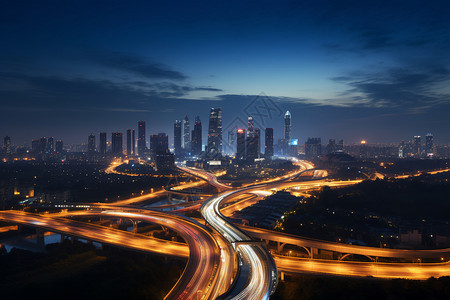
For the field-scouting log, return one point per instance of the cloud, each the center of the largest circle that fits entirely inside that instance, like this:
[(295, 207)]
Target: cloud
[(137, 65)]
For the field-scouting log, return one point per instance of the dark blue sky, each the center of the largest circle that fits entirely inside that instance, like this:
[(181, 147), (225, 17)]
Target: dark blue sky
[(377, 70)]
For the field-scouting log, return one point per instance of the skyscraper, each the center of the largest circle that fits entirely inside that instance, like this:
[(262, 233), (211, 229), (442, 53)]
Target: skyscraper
[(186, 134), (102, 146), (133, 141), (91, 143), (42, 145), (287, 127), (251, 127), (268, 148), (7, 145), (117, 143), (417, 146), (240, 137), (129, 148), (142, 147), (159, 143), (313, 147), (59, 146), (215, 132), (196, 144), (331, 147), (35, 146), (50, 145), (429, 145), (177, 138), (253, 142)]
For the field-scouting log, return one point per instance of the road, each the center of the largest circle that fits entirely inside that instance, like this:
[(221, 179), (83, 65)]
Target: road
[(204, 255)]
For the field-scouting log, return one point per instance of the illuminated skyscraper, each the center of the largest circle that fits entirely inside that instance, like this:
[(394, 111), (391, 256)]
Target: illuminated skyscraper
[(186, 134), (91, 143), (287, 127), (253, 144), (417, 146), (429, 145), (159, 143), (102, 145), (117, 143), (50, 145), (142, 146), (129, 147), (133, 141), (196, 144), (177, 138), (240, 141), (268, 148), (215, 133)]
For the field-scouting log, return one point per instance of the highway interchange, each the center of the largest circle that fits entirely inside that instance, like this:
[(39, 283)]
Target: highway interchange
[(226, 261)]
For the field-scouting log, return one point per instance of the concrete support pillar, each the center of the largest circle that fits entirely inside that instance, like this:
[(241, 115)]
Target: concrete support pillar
[(282, 276), (135, 228), (62, 238), (314, 253), (280, 246), (40, 237)]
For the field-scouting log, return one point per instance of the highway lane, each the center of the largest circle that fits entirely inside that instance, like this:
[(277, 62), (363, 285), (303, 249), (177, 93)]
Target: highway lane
[(204, 255), (418, 271)]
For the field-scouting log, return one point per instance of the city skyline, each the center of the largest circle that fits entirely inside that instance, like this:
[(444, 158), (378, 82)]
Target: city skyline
[(353, 70)]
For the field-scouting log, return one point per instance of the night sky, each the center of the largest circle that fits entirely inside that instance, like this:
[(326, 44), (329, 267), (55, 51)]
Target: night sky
[(375, 70)]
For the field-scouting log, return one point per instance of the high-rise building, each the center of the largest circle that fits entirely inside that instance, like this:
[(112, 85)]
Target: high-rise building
[(177, 138), (429, 145), (253, 144), (159, 143), (102, 145), (7, 145), (331, 147), (313, 147), (91, 143), (214, 147), (133, 141), (417, 146), (287, 126), (340, 146), (50, 145), (142, 146), (117, 143), (196, 145), (186, 134), (129, 147), (250, 127), (59, 146), (35, 146), (240, 142), (268, 148), (42, 145)]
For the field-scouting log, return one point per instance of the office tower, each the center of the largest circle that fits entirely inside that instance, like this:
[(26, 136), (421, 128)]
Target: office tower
[(91, 143), (133, 141), (141, 138), (287, 127), (177, 138), (231, 143), (50, 145), (240, 138), (340, 146), (129, 148), (117, 143), (159, 143), (268, 148), (59, 146), (42, 145), (251, 127), (102, 146), (258, 140), (252, 151), (215, 132), (196, 145), (313, 147), (7, 145), (35, 146), (417, 146), (363, 153), (401, 150), (331, 147), (186, 134), (429, 145)]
